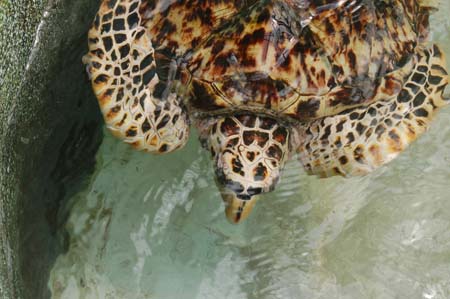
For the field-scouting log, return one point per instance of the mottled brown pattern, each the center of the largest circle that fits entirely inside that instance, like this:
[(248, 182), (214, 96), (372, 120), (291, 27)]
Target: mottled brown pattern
[(184, 25), (347, 47), (301, 60), (376, 134)]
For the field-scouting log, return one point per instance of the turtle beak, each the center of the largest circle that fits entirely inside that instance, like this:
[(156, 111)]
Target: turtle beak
[(237, 209)]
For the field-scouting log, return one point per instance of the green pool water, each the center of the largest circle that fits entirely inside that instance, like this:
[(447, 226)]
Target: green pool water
[(153, 227)]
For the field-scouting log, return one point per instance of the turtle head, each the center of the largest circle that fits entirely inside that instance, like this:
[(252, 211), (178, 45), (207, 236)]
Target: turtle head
[(249, 152)]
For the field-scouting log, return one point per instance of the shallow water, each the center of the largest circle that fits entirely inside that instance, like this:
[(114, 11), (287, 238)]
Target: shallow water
[(153, 227)]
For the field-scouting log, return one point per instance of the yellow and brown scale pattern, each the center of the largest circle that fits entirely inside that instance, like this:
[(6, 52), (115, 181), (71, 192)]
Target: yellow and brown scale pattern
[(181, 26), (304, 61), (358, 140), (121, 64), (259, 62)]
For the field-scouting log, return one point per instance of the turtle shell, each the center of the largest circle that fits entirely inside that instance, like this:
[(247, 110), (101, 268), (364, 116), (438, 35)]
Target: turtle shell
[(295, 58)]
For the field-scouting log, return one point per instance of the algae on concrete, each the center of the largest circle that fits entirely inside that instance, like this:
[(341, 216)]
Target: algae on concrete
[(49, 133)]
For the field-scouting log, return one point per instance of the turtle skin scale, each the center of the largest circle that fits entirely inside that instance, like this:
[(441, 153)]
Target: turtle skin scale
[(341, 85)]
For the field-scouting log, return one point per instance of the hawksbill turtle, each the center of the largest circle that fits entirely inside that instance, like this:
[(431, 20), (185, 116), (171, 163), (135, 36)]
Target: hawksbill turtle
[(341, 85)]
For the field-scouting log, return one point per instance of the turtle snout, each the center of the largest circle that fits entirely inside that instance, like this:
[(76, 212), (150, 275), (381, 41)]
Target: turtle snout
[(237, 209), (240, 183)]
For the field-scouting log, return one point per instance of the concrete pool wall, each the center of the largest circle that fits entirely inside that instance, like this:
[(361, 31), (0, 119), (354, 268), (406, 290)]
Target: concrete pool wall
[(49, 133)]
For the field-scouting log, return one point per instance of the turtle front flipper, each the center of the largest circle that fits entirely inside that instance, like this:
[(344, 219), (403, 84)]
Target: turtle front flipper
[(358, 140), (121, 64)]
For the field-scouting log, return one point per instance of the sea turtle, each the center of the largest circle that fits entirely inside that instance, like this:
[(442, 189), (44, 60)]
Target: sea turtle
[(341, 85)]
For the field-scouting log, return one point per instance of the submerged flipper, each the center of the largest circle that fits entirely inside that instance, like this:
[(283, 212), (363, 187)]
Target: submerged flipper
[(359, 140), (122, 67)]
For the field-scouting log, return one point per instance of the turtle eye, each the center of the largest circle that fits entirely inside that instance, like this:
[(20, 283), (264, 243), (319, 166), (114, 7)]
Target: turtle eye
[(234, 186)]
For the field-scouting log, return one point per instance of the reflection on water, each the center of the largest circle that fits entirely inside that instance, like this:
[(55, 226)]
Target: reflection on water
[(153, 227)]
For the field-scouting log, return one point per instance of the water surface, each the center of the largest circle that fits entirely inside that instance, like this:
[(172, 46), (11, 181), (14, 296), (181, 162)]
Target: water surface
[(153, 227)]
